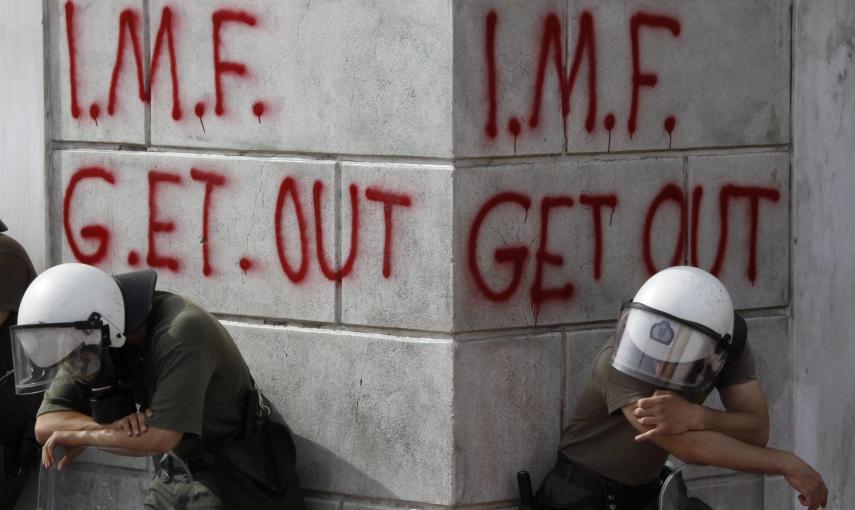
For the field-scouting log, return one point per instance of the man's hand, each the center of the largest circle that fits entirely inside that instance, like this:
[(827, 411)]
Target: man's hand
[(133, 424), (808, 483), (667, 413), (71, 441)]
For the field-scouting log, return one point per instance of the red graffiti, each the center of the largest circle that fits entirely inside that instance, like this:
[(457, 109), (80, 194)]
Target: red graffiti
[(258, 110), (540, 295), (669, 125), (596, 203), (515, 255), (166, 32), (98, 233), (289, 188), (754, 195), (211, 180), (155, 226), (671, 192), (490, 47), (553, 37), (347, 267), (222, 67), (640, 78), (72, 58), (128, 27), (389, 200)]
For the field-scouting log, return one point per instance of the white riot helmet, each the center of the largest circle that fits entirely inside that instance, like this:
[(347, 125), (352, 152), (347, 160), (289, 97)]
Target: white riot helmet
[(678, 330), (68, 314)]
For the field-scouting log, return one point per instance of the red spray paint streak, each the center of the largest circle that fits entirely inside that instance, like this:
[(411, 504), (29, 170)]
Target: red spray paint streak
[(753, 194), (128, 26), (609, 124), (670, 123), (540, 295), (490, 47), (211, 180), (95, 112), (515, 255), (199, 110), (640, 79), (155, 259), (596, 203), (552, 36), (72, 58), (669, 192), (289, 187), (697, 195), (222, 67), (166, 32), (258, 110), (336, 275), (389, 200), (99, 233), (246, 264)]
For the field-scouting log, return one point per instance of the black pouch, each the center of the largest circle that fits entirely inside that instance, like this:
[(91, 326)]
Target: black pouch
[(264, 451)]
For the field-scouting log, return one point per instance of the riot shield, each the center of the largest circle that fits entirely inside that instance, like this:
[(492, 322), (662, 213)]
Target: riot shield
[(101, 479)]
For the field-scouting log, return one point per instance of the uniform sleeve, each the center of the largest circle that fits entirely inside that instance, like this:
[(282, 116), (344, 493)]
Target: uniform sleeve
[(178, 401), (65, 395), (737, 370), (617, 388), (14, 281)]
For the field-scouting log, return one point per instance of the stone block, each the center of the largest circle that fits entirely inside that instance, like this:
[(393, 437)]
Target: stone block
[(323, 503), (207, 224), (743, 224), (404, 278), (367, 505), (95, 89), (348, 77), (372, 415), (507, 414), (777, 494), (494, 83), (580, 349), (516, 221), (738, 492), (666, 75), (770, 341)]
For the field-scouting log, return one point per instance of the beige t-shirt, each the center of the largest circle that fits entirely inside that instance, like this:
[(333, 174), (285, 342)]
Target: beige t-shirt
[(600, 437)]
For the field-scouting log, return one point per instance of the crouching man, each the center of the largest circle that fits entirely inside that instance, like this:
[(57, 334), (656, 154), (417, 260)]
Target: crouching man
[(674, 342), (105, 348)]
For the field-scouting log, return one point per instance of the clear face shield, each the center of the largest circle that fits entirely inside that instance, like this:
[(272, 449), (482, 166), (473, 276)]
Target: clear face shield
[(667, 351), (40, 351)]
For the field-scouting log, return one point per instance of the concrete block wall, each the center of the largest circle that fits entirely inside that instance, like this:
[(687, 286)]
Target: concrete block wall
[(417, 225)]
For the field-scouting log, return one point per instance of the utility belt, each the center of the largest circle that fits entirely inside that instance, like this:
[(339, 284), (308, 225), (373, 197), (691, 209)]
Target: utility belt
[(605, 493)]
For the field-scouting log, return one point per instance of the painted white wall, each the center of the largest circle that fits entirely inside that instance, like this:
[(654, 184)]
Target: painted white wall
[(22, 127), (824, 241)]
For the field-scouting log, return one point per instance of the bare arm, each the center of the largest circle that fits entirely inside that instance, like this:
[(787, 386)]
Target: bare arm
[(154, 440), (717, 449), (747, 415), (48, 423)]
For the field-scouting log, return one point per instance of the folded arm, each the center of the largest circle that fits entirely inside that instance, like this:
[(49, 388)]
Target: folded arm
[(718, 449), (746, 416), (74, 431)]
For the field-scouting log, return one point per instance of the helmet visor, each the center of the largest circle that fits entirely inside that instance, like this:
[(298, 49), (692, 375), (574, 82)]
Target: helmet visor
[(664, 352), (39, 350)]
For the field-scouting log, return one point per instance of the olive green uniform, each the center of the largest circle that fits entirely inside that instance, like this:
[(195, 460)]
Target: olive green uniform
[(194, 380), (600, 439), (17, 413)]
